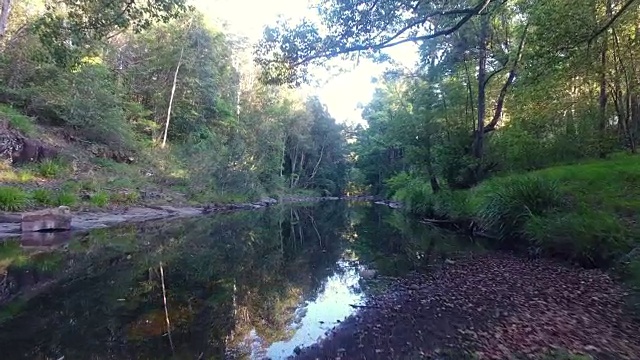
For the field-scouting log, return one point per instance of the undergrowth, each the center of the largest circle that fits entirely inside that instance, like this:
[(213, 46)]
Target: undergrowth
[(50, 169), (584, 213), (12, 198), (16, 120)]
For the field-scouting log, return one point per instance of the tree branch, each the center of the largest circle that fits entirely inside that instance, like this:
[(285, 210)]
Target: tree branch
[(613, 19), (390, 42), (494, 73), (503, 92)]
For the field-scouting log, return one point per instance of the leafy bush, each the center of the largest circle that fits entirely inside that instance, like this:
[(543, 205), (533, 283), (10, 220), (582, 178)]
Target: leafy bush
[(66, 198), (413, 192), (100, 199), (593, 238), (12, 199), (453, 205), (508, 203), (124, 197), (88, 100), (18, 121), (43, 197), (50, 168)]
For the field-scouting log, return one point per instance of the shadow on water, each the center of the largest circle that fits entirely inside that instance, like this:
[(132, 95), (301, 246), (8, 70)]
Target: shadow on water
[(244, 285)]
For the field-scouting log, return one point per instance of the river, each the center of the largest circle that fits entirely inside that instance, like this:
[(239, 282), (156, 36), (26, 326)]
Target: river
[(253, 284)]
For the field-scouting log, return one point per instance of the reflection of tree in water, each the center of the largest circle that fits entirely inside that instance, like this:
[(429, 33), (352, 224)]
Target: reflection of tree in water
[(397, 245), (225, 276)]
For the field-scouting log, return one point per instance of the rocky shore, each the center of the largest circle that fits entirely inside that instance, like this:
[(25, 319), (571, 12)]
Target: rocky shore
[(10, 223)]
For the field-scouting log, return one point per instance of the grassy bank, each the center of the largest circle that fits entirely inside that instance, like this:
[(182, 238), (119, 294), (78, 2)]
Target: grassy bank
[(586, 213)]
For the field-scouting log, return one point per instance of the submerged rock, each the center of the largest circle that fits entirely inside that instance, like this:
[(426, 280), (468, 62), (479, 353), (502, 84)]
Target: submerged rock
[(367, 273), (48, 219)]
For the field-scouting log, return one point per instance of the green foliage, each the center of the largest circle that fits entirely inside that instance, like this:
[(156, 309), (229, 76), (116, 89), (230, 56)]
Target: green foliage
[(124, 197), (50, 168), (44, 197), (12, 198), (507, 203), (593, 238), (85, 24), (100, 199), (17, 120), (94, 107), (414, 193), (66, 198)]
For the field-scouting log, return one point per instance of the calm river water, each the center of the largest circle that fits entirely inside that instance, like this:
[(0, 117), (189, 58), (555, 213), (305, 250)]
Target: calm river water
[(246, 285)]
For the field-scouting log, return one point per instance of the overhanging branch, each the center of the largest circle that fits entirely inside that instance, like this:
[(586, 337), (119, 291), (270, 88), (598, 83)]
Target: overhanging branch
[(503, 92), (612, 20), (394, 41)]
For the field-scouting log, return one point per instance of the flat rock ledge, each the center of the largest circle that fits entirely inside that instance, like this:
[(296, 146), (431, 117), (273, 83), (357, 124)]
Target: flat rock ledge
[(48, 219), (30, 224), (11, 224)]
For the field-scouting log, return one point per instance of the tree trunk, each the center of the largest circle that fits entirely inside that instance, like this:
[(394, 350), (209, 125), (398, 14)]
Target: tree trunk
[(477, 148), (603, 102), (603, 91), (293, 168), (435, 187), (5, 11), (173, 91), (282, 161)]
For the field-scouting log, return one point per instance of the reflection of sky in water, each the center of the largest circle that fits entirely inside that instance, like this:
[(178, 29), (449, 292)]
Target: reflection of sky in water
[(316, 317)]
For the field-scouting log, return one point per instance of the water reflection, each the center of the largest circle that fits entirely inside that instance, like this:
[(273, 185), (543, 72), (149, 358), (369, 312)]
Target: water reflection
[(244, 285)]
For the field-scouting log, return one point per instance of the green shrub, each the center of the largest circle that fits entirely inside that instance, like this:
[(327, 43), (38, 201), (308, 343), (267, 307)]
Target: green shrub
[(453, 205), (66, 198), (413, 192), (24, 176), (12, 199), (18, 121), (50, 168), (508, 203), (593, 238), (43, 197), (100, 199), (124, 197), (88, 185), (72, 186), (93, 105)]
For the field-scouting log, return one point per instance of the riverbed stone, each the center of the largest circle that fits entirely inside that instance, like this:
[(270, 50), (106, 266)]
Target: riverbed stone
[(48, 219)]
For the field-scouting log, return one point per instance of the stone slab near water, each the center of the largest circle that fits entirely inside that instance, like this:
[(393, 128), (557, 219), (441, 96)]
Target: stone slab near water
[(47, 219)]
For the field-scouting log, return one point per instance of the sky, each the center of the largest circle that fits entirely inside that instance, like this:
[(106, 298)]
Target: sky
[(342, 92)]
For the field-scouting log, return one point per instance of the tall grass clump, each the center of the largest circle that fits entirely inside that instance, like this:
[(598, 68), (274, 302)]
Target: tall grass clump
[(43, 197), (589, 238), (455, 205), (12, 199), (506, 204), (66, 198), (100, 199), (50, 168)]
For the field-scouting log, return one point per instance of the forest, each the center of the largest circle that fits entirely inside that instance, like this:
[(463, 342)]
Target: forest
[(520, 121), (518, 126), (128, 101)]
